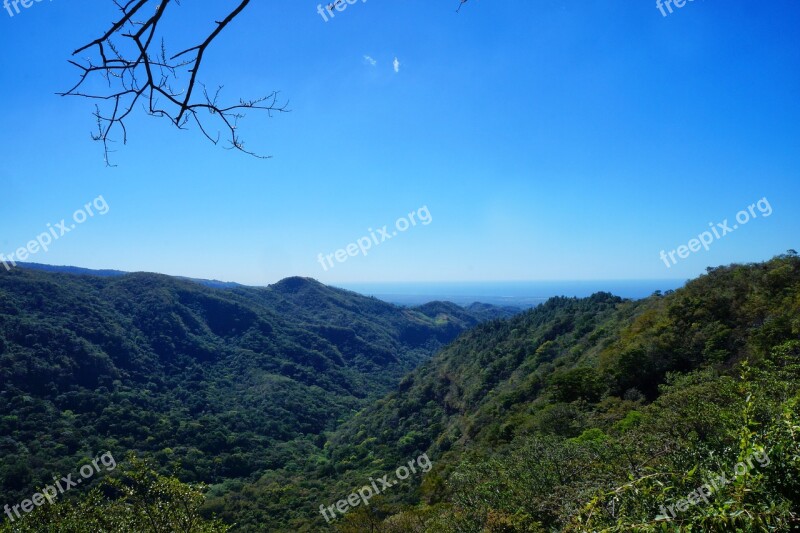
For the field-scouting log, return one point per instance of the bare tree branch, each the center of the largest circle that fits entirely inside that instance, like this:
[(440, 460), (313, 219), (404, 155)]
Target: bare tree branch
[(137, 71)]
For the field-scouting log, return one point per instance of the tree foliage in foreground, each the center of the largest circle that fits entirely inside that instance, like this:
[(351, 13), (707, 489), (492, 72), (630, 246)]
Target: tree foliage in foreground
[(599, 415), (139, 500), (591, 414)]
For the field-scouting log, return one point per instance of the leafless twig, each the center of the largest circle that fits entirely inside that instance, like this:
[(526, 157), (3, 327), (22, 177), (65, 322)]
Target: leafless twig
[(137, 69)]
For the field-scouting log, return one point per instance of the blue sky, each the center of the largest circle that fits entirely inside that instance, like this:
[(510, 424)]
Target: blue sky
[(549, 140)]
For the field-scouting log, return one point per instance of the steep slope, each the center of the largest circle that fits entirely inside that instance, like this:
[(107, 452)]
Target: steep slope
[(568, 380), (472, 388), (225, 382), (593, 414)]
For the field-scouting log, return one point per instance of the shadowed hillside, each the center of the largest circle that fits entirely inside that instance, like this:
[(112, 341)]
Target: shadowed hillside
[(224, 383)]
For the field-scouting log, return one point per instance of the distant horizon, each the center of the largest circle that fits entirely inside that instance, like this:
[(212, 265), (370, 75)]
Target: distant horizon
[(521, 294), (513, 293), (356, 283)]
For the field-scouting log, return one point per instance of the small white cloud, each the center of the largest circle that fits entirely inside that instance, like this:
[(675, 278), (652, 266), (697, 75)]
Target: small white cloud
[(396, 64), (369, 60)]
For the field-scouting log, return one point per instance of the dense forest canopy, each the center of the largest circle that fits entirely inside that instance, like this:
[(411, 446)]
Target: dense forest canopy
[(582, 414), (214, 384)]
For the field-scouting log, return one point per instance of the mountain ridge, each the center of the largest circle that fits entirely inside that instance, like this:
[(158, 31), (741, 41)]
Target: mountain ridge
[(227, 382)]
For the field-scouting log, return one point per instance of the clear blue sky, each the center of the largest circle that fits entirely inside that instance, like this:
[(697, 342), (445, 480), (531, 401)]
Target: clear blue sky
[(549, 140)]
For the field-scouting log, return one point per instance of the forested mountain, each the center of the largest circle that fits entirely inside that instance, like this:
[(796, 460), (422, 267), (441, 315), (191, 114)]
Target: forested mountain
[(213, 384), (582, 414), (678, 412), (590, 414)]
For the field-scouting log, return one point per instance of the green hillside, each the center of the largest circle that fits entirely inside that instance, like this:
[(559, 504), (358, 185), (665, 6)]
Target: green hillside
[(589, 414), (678, 412), (213, 384)]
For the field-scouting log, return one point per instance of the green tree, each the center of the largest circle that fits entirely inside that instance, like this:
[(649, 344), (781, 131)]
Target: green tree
[(136, 500)]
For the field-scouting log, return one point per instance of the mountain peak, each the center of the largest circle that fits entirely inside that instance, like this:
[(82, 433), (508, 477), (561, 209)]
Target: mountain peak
[(295, 284)]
